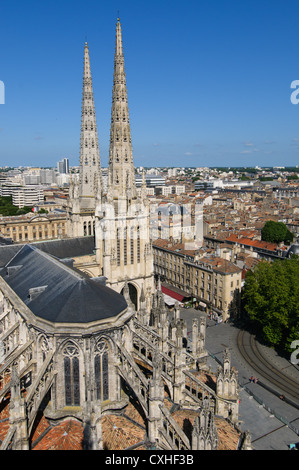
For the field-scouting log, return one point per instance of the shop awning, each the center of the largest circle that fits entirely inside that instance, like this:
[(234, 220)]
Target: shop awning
[(172, 294), (170, 301), (175, 293)]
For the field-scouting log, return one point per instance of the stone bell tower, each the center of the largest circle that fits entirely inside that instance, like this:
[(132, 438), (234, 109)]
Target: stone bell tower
[(123, 248), (83, 192)]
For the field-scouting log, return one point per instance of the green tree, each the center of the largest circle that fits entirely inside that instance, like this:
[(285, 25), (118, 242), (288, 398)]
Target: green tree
[(276, 232), (270, 298), (7, 208)]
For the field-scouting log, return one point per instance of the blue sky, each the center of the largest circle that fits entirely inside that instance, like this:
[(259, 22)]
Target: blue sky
[(208, 81)]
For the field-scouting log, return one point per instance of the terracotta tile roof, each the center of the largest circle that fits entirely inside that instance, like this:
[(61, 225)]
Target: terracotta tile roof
[(175, 247), (68, 435), (219, 265), (4, 419), (4, 409), (4, 427), (228, 436), (133, 414), (40, 427), (119, 433), (254, 243)]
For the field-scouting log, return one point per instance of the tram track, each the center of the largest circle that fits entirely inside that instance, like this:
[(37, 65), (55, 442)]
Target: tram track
[(250, 352)]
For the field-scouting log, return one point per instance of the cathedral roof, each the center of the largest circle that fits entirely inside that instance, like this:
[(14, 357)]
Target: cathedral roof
[(57, 293), (64, 248)]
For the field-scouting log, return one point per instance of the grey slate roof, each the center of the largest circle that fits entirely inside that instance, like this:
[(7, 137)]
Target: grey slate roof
[(65, 296), (65, 248)]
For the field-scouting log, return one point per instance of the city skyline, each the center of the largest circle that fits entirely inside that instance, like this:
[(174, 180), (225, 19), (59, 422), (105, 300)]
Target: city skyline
[(208, 84)]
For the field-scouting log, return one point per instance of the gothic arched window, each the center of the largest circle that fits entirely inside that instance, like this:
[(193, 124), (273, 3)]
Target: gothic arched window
[(132, 245), (125, 246), (101, 371), (118, 246), (71, 375), (138, 244)]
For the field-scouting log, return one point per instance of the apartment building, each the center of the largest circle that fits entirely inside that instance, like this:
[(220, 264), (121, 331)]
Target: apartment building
[(214, 282), (28, 196), (31, 227)]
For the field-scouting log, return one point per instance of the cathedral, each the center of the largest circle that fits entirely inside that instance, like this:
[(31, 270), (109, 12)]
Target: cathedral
[(97, 361), (117, 217)]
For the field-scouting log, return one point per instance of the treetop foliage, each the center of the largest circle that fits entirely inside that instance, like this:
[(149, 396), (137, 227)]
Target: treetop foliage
[(276, 232), (271, 299), (7, 208)]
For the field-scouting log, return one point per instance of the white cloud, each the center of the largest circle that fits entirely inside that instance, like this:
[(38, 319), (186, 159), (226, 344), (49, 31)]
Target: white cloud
[(249, 151)]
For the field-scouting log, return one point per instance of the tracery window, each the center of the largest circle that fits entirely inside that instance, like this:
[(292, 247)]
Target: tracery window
[(118, 246), (125, 246), (132, 245), (101, 371), (138, 244), (71, 375)]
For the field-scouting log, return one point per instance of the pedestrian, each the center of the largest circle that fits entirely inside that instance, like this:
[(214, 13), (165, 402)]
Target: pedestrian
[(251, 379)]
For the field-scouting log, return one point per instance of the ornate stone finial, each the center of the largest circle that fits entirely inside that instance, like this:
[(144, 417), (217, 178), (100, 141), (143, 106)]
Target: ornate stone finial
[(15, 384), (157, 365), (15, 379)]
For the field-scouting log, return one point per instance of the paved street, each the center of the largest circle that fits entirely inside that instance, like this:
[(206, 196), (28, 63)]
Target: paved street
[(261, 412)]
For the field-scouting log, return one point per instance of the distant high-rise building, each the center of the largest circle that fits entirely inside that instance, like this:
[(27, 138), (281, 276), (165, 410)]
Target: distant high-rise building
[(63, 166), (47, 176)]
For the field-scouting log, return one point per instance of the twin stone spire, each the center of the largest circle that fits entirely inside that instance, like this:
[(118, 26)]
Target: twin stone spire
[(116, 216), (121, 173)]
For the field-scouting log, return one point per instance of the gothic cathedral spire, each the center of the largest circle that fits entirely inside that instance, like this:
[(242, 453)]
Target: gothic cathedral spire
[(123, 248), (90, 165), (121, 183), (85, 193)]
